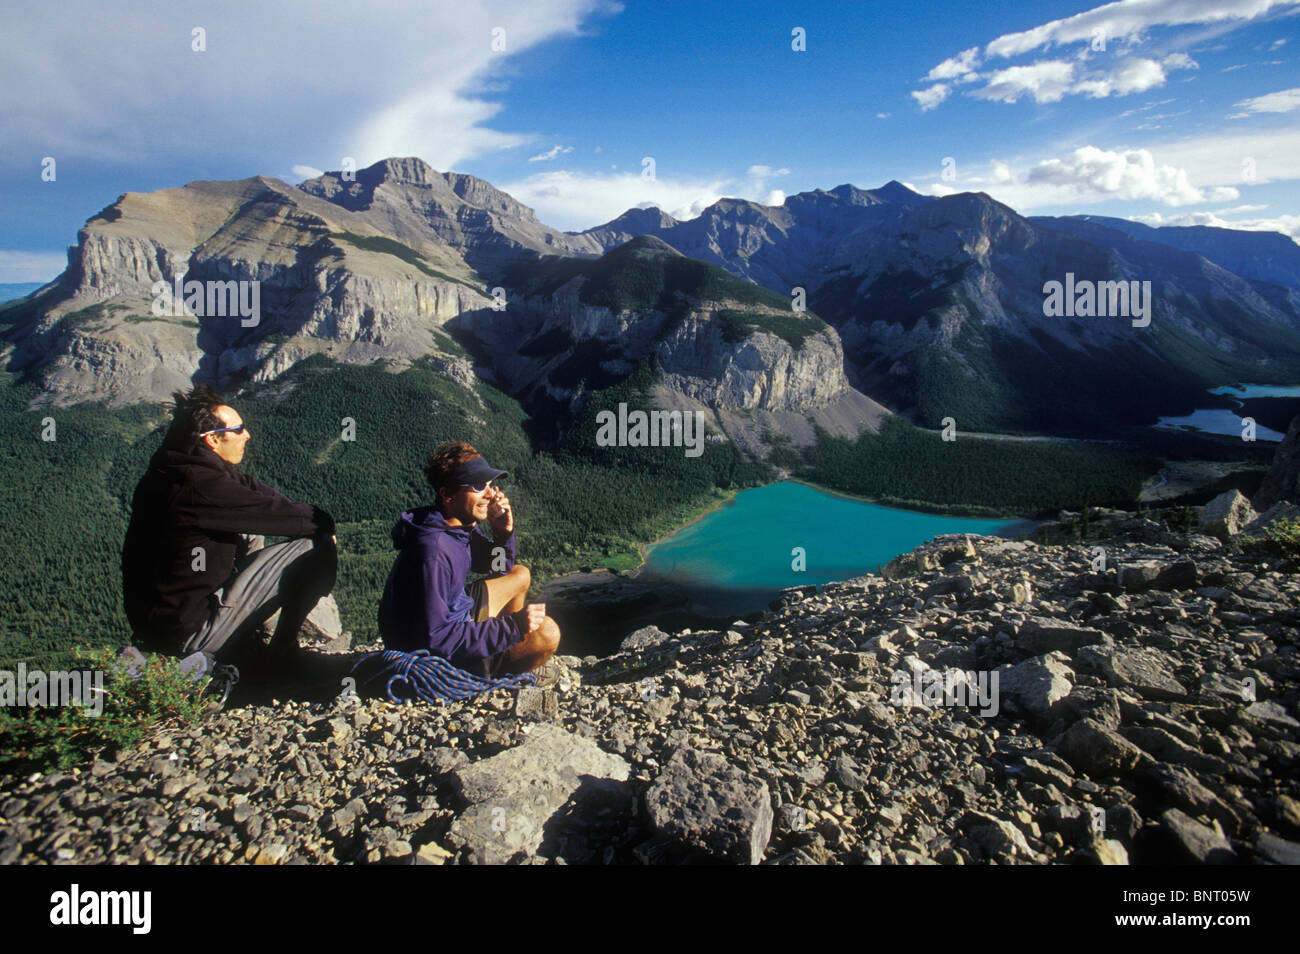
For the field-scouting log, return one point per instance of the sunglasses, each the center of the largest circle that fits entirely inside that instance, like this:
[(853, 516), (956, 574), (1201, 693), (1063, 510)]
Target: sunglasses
[(237, 429), (478, 488)]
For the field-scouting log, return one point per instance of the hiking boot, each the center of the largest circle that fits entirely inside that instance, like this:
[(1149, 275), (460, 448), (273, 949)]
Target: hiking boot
[(548, 674), (222, 680)]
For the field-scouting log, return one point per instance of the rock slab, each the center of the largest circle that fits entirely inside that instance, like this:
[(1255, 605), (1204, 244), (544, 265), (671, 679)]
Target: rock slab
[(704, 809)]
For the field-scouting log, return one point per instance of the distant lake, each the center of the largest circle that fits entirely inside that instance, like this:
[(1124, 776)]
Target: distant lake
[(1259, 390), (735, 559), (1227, 422)]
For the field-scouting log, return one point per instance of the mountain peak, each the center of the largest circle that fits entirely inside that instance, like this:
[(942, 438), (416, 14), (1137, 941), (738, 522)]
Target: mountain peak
[(895, 191), (409, 170), (648, 243)]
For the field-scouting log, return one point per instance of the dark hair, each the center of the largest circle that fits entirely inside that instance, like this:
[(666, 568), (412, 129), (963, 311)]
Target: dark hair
[(444, 459), (192, 414)]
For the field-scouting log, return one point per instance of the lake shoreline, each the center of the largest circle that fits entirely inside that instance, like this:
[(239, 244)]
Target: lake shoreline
[(599, 605), (1018, 520)]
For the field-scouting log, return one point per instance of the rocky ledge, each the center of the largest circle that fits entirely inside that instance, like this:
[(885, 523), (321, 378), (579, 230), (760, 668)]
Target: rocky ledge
[(1128, 696)]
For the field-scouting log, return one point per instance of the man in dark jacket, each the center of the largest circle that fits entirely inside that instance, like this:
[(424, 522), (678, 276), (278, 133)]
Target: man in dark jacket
[(194, 577), (488, 630)]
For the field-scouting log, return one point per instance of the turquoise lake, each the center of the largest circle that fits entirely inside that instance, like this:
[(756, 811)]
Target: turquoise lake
[(736, 559)]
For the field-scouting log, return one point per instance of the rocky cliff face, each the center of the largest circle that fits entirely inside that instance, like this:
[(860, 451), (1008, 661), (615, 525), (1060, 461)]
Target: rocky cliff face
[(1261, 256), (716, 355), (1145, 713), (327, 283), (937, 304), (413, 202), (950, 291), (1282, 482)]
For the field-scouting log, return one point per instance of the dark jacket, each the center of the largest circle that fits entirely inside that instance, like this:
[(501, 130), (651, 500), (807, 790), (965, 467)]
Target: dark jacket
[(192, 499), (425, 606)]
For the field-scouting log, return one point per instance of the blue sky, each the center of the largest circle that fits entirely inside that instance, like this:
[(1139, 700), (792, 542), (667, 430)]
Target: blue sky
[(1168, 111)]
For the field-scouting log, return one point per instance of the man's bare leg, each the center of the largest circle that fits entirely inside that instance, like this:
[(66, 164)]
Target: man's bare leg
[(508, 594), (537, 647)]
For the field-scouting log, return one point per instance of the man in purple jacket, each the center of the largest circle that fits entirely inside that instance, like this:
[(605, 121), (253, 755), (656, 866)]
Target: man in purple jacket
[(488, 630)]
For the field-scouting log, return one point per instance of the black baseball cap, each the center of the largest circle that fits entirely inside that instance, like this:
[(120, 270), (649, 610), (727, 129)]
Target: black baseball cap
[(475, 471)]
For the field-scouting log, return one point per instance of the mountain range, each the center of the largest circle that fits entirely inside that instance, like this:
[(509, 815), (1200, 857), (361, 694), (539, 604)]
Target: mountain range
[(832, 310)]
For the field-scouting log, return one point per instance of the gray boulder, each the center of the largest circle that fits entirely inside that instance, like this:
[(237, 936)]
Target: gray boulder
[(703, 808), (1144, 671), (512, 796), (647, 637), (1038, 684), (1100, 752), (1227, 514), (1041, 635)]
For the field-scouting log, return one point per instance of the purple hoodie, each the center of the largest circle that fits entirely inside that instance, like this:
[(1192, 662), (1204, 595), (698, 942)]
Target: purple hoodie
[(425, 605)]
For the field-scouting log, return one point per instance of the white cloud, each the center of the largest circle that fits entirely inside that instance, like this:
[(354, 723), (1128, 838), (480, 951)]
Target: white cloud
[(303, 173), (775, 197), (551, 153), (574, 201), (1118, 26), (1288, 225), (416, 80), (1219, 166), (17, 266), (1000, 171), (1283, 101), (1179, 61), (1131, 174), (1236, 157), (933, 188), (1049, 81), (960, 67), (1046, 81), (1128, 19), (883, 115), (1130, 76), (931, 97), (1276, 44), (765, 172)]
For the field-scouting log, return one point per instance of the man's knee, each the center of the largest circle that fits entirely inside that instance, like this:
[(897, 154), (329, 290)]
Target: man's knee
[(522, 575), (550, 634)]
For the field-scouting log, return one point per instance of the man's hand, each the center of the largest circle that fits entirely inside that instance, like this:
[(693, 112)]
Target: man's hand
[(535, 614), (500, 515)]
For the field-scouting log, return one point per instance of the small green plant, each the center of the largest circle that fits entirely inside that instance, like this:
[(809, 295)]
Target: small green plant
[(1182, 519), (1279, 538), (45, 737)]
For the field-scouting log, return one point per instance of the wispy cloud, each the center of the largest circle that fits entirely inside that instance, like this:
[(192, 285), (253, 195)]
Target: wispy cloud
[(931, 97), (1283, 101), (100, 95), (1118, 27), (1288, 225), (960, 67), (1127, 19), (574, 201), (550, 154)]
